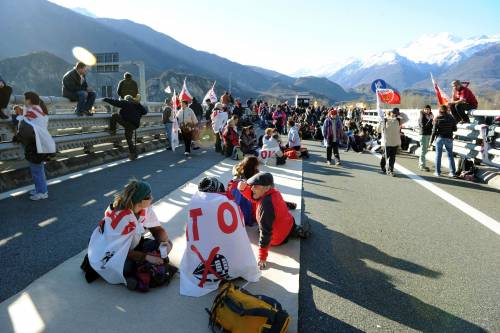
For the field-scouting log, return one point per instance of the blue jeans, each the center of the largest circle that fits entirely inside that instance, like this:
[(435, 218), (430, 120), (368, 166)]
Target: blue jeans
[(38, 174), (86, 100), (168, 129), (448, 144)]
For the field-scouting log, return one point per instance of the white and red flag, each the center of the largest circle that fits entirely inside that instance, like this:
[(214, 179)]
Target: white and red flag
[(175, 124), (211, 95), (389, 96), (185, 95), (441, 96)]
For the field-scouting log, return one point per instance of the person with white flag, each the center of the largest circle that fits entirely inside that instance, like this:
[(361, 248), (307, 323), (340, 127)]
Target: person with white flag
[(219, 119), (175, 124), (117, 247), (37, 142), (218, 247)]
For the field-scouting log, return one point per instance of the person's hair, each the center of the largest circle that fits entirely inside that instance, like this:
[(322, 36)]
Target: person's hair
[(36, 100), (291, 122), (269, 131), (427, 107), (185, 102), (80, 65), (443, 108), (248, 167), (455, 82), (127, 75), (123, 200)]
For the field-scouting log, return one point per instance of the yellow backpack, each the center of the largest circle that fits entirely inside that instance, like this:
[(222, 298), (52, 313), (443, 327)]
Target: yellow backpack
[(236, 310)]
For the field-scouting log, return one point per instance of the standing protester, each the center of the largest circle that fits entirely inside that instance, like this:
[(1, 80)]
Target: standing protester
[(332, 132), (168, 119), (187, 123), (197, 109), (443, 129), (225, 99), (391, 140), (425, 123), (279, 119), (238, 109), (75, 88), (219, 118), (463, 101), (36, 140), (127, 86), (209, 106), (5, 92), (129, 117)]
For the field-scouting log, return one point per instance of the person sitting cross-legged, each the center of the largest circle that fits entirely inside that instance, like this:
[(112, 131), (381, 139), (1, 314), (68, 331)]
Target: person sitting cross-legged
[(276, 224)]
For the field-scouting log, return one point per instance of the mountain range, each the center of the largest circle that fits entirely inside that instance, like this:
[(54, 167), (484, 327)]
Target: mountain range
[(443, 54)]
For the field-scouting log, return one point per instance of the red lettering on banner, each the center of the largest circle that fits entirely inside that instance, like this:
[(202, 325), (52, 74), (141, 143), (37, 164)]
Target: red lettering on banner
[(194, 214), (228, 229), (263, 154)]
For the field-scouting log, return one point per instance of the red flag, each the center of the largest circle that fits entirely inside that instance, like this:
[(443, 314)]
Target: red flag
[(176, 104), (389, 96), (441, 96), (185, 95)]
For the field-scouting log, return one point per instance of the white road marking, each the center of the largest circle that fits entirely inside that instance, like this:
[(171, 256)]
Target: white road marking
[(477, 215)]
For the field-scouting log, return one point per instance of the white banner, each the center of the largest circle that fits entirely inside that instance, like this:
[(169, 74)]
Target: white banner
[(217, 245)]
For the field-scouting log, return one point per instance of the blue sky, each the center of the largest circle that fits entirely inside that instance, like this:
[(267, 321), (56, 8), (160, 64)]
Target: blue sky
[(288, 35)]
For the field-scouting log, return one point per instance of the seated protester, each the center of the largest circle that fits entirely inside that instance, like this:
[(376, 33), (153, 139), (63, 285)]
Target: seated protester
[(248, 141), (230, 137), (75, 88), (117, 249), (129, 117), (218, 247), (243, 171), (356, 142), (127, 86), (38, 144), (271, 152), (276, 224), (293, 136), (219, 118), (5, 92)]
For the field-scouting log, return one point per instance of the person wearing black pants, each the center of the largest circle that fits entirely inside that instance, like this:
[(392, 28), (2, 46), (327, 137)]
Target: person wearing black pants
[(332, 146), (129, 132), (391, 140), (463, 101), (391, 156), (187, 137), (5, 92), (187, 122)]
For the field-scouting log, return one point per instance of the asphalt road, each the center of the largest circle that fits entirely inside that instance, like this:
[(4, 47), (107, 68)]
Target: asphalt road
[(37, 236), (387, 255)]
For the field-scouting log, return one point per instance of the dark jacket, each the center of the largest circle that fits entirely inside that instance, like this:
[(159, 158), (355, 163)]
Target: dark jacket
[(129, 111), (127, 87), (197, 108), (444, 126), (425, 124), (71, 84), (238, 110), (248, 143)]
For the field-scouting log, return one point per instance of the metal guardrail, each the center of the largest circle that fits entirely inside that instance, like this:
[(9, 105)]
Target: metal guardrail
[(470, 139), (71, 131)]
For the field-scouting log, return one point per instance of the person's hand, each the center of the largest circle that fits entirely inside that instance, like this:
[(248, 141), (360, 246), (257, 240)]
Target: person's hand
[(262, 264), (2, 84), (153, 259), (242, 186)]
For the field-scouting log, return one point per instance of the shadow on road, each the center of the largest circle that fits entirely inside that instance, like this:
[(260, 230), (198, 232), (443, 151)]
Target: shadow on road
[(341, 269)]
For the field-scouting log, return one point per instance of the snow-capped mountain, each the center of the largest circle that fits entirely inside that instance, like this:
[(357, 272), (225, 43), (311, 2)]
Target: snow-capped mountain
[(405, 66)]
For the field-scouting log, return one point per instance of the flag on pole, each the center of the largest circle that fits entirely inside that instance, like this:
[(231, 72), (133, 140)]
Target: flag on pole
[(379, 109), (441, 96), (210, 95), (167, 90), (185, 95), (175, 124), (389, 96)]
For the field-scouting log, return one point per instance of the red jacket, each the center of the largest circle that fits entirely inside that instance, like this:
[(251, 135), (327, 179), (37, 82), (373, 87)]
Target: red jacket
[(274, 219), (467, 95)]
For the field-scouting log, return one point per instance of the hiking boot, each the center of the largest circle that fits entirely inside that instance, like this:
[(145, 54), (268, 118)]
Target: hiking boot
[(39, 196), (131, 283)]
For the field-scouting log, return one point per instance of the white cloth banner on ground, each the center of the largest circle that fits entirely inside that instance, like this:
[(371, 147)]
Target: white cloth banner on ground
[(116, 234), (268, 156), (217, 245)]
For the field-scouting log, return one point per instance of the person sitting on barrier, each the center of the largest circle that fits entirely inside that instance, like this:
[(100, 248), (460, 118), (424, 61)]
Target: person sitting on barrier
[(442, 131), (38, 144), (127, 86), (219, 118), (242, 172), (187, 123), (463, 101), (332, 133), (75, 87), (391, 140), (17, 112), (118, 250), (276, 224), (425, 123), (231, 138), (131, 111), (5, 92), (248, 141)]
